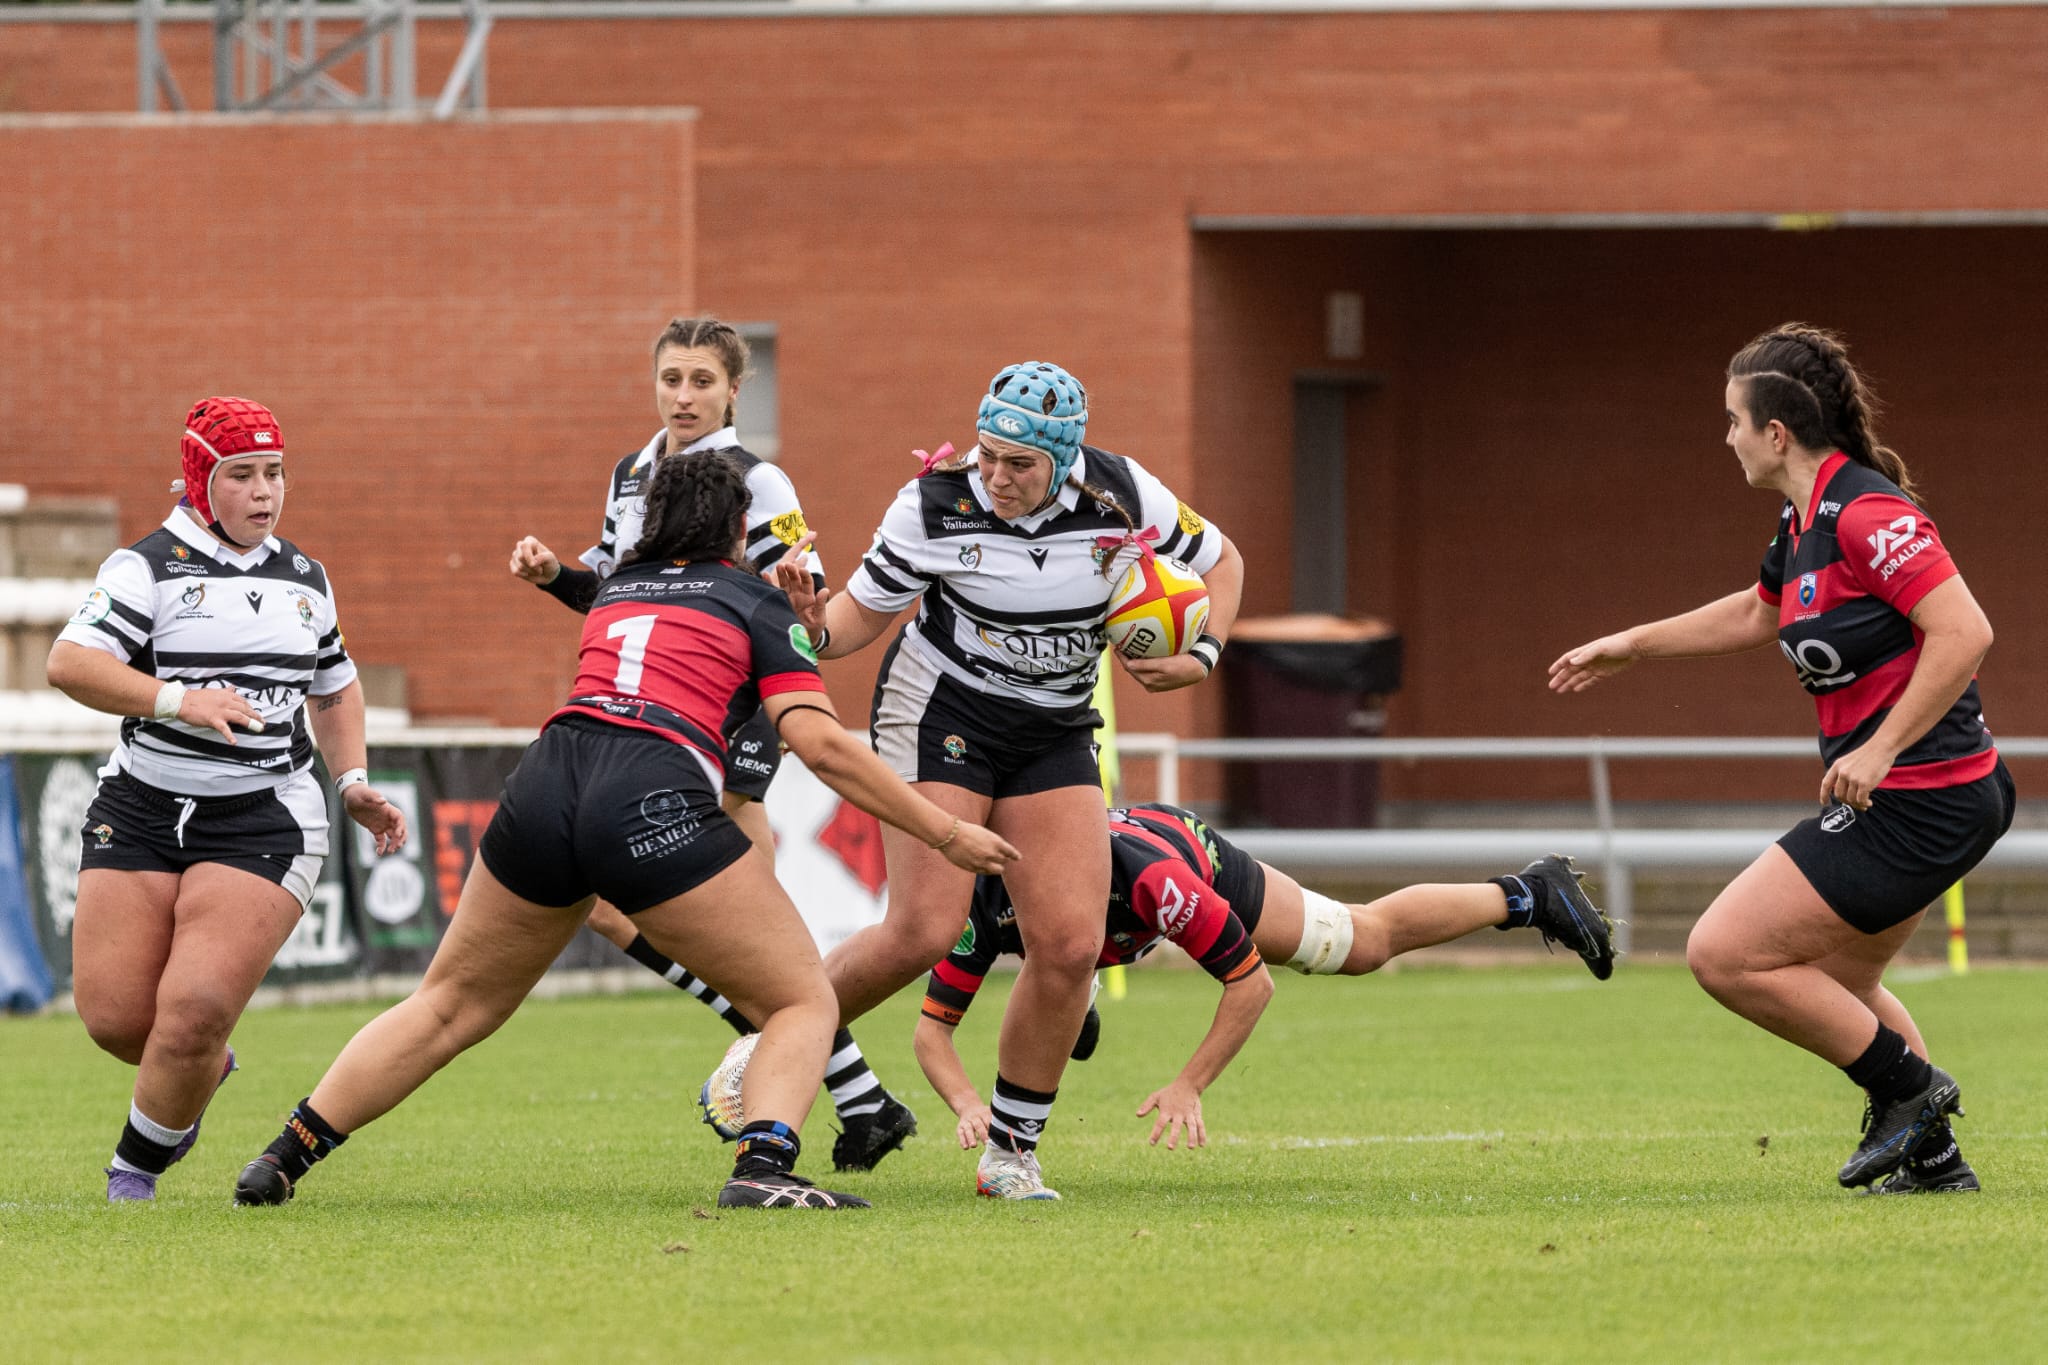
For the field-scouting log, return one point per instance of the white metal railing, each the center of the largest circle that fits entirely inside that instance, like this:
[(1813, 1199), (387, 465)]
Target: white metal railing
[(1619, 851)]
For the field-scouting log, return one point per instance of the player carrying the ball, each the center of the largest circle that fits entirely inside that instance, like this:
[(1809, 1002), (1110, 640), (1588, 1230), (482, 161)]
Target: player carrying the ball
[(983, 706), (1176, 879)]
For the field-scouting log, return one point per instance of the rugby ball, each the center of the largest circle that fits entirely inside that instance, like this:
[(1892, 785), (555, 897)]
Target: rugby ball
[(719, 1099), (1159, 609)]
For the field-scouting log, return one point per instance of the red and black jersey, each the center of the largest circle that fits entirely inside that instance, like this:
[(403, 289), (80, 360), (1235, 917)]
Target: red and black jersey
[(1843, 578), (687, 650), (1165, 868)]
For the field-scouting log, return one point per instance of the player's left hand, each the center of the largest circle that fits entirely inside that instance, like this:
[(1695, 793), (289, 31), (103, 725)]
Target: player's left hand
[(1854, 776), (368, 808), (793, 576), (1165, 675), (1180, 1111)]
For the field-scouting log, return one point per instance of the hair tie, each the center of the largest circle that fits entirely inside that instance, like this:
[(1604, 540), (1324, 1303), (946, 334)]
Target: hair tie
[(934, 460)]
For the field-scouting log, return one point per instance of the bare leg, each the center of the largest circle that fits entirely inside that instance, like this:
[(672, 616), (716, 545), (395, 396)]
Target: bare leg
[(1060, 887), (229, 924), (1860, 968), (1413, 917), (928, 902), (1757, 950), (740, 933), (495, 949), (120, 941)]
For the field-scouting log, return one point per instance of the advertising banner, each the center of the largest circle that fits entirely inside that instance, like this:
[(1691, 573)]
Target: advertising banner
[(25, 983)]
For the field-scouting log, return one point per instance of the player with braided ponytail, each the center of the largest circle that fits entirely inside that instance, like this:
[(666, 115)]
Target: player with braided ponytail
[(1860, 594), (984, 704)]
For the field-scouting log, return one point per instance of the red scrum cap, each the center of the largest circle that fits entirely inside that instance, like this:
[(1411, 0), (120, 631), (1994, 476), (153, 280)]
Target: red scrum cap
[(218, 430)]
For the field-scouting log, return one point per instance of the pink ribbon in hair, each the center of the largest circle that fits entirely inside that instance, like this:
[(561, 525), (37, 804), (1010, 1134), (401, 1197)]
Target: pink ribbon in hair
[(1114, 545), (934, 459)]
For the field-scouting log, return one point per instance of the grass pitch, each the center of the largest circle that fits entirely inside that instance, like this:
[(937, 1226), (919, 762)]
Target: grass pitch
[(1446, 1163)]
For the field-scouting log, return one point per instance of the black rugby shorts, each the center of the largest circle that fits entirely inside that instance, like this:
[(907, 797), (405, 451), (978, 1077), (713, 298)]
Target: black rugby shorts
[(594, 807), (1878, 868), (929, 728), (278, 833)]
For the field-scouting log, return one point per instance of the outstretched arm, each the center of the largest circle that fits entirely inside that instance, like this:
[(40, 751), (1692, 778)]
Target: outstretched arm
[(842, 623), (1728, 625), (1180, 1102), (940, 1060)]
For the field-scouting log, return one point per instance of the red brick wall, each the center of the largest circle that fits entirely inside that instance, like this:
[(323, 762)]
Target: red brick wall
[(451, 322), (915, 201)]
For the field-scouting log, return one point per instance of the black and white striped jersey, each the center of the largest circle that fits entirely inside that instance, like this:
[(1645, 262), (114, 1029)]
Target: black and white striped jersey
[(775, 521), (182, 606), (1015, 608)]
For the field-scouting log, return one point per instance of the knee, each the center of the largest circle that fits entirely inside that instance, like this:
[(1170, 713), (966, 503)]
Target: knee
[(1711, 962), (118, 1033), (1067, 952), (192, 1025), (913, 940)]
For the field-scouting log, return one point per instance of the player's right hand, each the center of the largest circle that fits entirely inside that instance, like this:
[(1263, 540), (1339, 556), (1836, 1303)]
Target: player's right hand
[(535, 562), (806, 598), (1578, 669), (976, 849), (217, 708)]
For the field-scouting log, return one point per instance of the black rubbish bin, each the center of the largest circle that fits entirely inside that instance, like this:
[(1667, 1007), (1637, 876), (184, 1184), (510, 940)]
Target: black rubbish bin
[(1302, 677)]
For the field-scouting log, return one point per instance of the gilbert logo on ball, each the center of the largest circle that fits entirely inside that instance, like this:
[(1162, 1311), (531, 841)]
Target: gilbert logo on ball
[(1159, 609)]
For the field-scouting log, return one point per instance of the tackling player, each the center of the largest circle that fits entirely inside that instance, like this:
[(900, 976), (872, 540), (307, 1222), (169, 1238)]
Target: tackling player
[(1176, 880), (619, 798), (699, 365)]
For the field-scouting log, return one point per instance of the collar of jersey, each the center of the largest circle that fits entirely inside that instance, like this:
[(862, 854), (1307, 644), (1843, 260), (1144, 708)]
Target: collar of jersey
[(1068, 498), (725, 438), (182, 524)]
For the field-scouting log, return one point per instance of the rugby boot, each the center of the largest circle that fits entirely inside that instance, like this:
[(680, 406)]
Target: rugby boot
[(1564, 914), (777, 1190), (1892, 1130), (1905, 1180), (129, 1187), (1004, 1174), (867, 1138), (185, 1142), (1091, 1034), (263, 1181)]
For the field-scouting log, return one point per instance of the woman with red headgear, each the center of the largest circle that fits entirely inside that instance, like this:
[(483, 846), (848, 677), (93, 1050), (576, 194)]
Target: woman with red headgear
[(201, 846)]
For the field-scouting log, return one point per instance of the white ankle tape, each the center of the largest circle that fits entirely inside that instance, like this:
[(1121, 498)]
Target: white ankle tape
[(1325, 936)]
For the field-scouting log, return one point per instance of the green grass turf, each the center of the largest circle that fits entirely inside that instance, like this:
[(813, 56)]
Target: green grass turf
[(1445, 1163)]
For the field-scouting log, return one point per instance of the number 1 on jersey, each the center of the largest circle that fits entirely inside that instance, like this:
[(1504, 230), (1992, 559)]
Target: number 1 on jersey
[(633, 652)]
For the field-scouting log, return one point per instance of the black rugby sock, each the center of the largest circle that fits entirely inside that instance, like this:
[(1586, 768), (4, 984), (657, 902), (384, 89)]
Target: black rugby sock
[(1889, 1069), (1018, 1115), (766, 1148), (1521, 902), (306, 1138), (148, 1153)]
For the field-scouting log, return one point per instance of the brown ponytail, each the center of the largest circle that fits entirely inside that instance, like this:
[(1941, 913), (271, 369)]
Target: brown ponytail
[(1818, 360)]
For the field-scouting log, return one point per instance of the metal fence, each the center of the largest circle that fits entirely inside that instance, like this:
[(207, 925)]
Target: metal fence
[(1619, 852)]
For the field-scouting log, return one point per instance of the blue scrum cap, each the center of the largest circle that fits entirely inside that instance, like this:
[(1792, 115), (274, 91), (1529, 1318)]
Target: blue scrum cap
[(1041, 406)]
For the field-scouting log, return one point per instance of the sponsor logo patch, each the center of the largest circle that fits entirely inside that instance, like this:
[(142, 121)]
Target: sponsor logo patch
[(789, 528), (192, 597), (103, 835), (93, 609), (1807, 589), (302, 564), (1190, 520), (800, 641), (664, 807), (956, 749), (1889, 538), (970, 556), (1838, 818)]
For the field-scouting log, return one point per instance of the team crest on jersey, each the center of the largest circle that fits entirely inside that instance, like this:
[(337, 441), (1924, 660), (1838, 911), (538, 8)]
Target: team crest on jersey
[(1807, 589), (956, 749), (970, 556), (963, 506), (789, 528), (181, 552), (93, 609), (305, 609), (302, 564), (1190, 520), (966, 943), (102, 834)]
